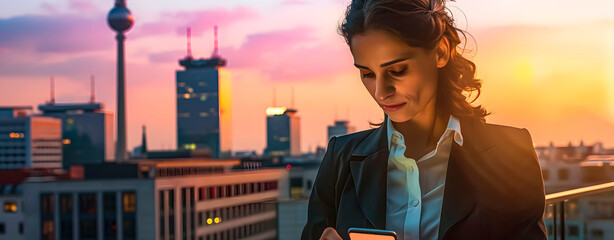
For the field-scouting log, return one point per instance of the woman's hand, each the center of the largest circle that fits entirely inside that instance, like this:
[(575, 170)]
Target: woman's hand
[(330, 234)]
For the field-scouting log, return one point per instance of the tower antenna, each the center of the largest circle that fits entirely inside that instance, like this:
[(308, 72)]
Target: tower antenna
[(52, 90), (215, 46), (92, 89), (189, 38)]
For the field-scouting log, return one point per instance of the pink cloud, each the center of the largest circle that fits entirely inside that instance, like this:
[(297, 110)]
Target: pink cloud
[(60, 33), (200, 21), (289, 55), (82, 6)]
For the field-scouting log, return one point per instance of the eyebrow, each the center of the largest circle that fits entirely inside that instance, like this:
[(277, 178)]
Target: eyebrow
[(407, 56)]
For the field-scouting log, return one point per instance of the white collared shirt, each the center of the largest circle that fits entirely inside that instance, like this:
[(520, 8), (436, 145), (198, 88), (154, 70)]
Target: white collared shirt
[(415, 188)]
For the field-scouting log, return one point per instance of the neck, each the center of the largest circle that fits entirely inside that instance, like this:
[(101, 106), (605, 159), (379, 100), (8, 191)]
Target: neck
[(424, 129)]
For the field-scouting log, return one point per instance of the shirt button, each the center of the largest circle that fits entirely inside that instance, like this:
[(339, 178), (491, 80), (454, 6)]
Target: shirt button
[(415, 203)]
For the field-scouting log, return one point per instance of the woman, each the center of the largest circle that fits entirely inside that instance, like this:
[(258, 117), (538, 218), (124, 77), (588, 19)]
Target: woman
[(433, 169)]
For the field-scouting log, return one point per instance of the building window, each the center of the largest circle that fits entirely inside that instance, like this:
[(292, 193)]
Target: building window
[(87, 203), (46, 204), (2, 230), (129, 216), (109, 208), (129, 228), (66, 205), (10, 207), (87, 229), (66, 218), (171, 214), (47, 230), (563, 174), (21, 228), (129, 201), (162, 219), (109, 203)]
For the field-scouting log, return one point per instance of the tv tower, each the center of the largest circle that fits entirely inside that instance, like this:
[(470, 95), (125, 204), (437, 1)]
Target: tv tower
[(120, 19)]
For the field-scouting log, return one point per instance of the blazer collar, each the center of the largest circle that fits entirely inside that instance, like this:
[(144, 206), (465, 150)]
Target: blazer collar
[(369, 163)]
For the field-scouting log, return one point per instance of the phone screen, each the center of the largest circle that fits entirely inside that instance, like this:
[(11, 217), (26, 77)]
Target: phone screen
[(366, 236), (371, 234)]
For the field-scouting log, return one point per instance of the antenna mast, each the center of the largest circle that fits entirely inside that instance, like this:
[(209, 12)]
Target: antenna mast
[(92, 88), (52, 90), (189, 38), (215, 46)]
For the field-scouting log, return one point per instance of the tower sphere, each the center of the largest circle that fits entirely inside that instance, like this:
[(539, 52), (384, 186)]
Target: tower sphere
[(120, 18)]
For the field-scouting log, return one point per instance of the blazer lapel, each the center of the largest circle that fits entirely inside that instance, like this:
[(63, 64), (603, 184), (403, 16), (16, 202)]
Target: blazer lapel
[(368, 168), (459, 199)]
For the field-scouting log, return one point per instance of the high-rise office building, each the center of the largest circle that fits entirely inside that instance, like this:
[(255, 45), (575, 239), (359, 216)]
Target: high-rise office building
[(28, 141), (283, 132), (204, 105), (87, 132), (341, 127)]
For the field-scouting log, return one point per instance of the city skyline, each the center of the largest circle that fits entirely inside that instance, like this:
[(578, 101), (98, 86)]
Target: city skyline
[(528, 81)]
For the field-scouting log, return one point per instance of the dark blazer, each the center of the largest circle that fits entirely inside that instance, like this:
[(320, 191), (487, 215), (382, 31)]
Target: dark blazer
[(493, 190)]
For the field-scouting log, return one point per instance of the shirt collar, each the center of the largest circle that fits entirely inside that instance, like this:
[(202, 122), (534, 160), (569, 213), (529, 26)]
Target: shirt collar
[(453, 126)]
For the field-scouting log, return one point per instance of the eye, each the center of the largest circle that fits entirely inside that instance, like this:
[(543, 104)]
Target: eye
[(368, 75), (397, 73)]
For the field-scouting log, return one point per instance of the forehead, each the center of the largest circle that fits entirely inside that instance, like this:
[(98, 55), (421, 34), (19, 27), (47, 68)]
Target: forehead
[(375, 43)]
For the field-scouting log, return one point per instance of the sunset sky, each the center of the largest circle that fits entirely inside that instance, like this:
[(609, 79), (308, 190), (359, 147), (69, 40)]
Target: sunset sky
[(546, 65)]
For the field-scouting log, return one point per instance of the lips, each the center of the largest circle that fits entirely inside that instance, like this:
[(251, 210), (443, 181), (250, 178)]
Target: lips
[(391, 108)]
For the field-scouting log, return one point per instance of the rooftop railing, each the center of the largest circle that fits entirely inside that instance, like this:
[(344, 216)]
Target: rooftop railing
[(557, 201)]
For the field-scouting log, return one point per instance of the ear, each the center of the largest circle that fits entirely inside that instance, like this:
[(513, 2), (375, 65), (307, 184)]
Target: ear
[(442, 52)]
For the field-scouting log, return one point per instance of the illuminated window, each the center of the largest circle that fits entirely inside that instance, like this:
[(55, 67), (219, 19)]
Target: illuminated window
[(70, 120), (47, 229), (10, 207), (202, 84), (66, 141), (181, 84), (203, 96), (204, 114), (186, 96), (129, 201), (184, 115)]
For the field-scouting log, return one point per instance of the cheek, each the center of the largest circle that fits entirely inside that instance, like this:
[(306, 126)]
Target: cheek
[(418, 88)]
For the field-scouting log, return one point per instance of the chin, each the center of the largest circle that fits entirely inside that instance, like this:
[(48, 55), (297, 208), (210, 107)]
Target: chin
[(398, 116)]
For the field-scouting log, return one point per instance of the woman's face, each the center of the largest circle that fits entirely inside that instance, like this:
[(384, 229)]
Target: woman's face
[(402, 79)]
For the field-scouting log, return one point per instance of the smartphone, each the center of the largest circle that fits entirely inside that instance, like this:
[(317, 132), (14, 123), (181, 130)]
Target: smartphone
[(371, 234)]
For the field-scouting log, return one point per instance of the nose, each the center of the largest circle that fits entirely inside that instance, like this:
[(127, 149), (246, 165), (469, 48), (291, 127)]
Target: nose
[(383, 88)]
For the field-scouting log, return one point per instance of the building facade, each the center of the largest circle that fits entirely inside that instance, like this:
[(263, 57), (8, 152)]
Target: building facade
[(87, 132), (341, 127), (204, 106), (156, 199), (28, 141), (283, 132)]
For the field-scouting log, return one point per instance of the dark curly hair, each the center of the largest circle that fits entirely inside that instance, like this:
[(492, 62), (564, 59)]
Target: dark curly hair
[(422, 23)]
